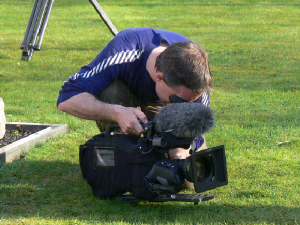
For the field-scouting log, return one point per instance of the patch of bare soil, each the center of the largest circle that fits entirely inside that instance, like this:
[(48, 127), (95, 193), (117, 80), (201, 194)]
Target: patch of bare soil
[(14, 135)]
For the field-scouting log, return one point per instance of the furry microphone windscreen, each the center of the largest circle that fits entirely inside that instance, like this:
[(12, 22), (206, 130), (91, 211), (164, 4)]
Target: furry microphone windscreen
[(187, 120)]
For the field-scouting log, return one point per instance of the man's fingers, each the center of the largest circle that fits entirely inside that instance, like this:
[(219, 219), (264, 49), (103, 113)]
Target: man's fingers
[(138, 128), (129, 118), (140, 115)]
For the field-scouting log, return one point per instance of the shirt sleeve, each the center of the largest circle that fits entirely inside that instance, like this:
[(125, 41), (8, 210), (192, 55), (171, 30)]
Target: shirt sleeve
[(198, 142), (113, 61)]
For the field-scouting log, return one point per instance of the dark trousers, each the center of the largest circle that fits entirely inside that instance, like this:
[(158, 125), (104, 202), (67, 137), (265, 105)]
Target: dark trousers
[(118, 93)]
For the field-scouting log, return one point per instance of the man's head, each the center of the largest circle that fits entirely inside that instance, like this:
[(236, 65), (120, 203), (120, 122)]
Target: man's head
[(185, 68)]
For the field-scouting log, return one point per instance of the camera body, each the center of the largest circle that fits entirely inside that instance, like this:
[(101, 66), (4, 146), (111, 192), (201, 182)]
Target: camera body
[(113, 164)]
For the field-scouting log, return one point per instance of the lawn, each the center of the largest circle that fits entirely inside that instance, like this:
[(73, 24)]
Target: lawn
[(254, 56)]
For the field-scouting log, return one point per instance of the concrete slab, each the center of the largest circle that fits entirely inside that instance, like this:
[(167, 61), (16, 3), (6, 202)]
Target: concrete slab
[(2, 119), (13, 151)]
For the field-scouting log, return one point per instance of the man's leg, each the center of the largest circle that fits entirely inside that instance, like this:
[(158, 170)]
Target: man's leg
[(150, 109), (116, 93)]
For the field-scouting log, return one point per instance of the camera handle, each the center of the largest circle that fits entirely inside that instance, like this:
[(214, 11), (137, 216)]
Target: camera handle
[(111, 128)]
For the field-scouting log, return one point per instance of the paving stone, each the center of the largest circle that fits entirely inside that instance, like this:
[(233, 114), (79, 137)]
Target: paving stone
[(2, 119)]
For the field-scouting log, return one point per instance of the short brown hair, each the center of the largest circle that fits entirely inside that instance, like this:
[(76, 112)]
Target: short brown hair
[(185, 63)]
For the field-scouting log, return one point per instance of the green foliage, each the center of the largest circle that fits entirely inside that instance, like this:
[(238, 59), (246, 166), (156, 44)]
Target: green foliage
[(254, 57)]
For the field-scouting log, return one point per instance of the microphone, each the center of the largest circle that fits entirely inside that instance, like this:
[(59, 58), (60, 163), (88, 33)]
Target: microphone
[(185, 120)]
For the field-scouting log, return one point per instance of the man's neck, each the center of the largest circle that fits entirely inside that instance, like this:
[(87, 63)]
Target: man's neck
[(150, 65)]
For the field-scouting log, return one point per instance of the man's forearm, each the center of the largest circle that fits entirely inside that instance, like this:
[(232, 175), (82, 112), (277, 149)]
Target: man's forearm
[(86, 106)]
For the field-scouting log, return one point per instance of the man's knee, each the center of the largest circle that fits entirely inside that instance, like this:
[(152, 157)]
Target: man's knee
[(118, 93)]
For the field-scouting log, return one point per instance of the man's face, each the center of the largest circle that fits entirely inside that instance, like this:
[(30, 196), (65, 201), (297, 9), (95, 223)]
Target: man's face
[(164, 92)]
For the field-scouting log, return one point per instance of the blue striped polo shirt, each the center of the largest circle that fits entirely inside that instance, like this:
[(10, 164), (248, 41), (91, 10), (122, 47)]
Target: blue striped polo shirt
[(124, 58)]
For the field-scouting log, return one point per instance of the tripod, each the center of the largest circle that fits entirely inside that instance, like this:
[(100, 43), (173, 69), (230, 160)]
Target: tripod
[(38, 22)]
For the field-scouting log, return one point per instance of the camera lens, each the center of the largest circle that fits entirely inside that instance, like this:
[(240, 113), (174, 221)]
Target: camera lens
[(203, 169)]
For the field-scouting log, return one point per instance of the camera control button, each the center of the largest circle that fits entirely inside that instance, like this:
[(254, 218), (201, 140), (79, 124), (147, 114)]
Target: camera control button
[(164, 164)]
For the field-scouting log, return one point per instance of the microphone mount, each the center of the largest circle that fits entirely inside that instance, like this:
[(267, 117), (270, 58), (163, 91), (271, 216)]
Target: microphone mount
[(163, 141)]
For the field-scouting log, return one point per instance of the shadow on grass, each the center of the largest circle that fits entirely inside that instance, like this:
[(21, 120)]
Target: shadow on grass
[(40, 190)]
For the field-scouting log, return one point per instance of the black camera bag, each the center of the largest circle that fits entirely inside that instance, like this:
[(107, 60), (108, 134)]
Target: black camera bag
[(114, 164)]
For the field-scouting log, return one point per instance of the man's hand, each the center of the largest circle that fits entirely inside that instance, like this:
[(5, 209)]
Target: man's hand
[(128, 120), (86, 106), (179, 153)]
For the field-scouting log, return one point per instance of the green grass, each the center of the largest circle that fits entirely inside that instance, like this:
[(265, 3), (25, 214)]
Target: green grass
[(254, 56)]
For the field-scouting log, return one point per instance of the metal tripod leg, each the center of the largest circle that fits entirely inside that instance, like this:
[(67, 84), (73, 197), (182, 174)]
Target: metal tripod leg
[(38, 22), (36, 27), (104, 17)]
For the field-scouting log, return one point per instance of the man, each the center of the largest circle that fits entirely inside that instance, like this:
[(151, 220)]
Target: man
[(135, 74)]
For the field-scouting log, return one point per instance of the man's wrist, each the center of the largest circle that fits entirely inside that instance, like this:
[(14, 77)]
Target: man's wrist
[(116, 112)]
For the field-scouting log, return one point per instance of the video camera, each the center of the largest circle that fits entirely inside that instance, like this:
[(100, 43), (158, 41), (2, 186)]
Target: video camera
[(114, 164)]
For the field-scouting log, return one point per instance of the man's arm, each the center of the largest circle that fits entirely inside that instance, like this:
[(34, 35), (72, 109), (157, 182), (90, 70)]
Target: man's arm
[(86, 106)]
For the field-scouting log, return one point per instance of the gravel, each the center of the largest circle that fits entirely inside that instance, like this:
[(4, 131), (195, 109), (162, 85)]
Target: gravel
[(14, 135)]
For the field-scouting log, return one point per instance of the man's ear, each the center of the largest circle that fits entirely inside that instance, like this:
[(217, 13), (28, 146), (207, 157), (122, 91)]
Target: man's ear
[(159, 76)]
